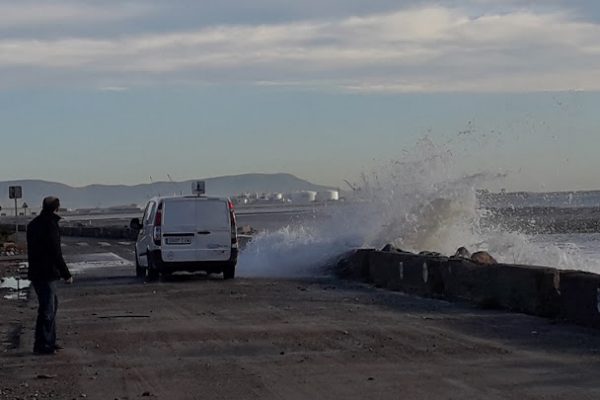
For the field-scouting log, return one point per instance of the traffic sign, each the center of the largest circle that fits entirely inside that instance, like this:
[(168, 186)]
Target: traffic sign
[(15, 192), (198, 188)]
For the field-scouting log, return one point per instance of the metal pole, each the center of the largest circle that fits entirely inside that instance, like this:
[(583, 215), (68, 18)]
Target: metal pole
[(16, 221)]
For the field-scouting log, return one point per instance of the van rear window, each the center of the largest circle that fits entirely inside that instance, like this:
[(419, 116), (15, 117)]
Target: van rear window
[(203, 215)]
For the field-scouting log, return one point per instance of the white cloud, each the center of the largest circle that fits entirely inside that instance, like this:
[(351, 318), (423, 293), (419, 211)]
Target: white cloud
[(418, 49), (113, 89)]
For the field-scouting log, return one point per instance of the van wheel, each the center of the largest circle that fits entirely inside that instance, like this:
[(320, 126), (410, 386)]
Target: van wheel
[(152, 273), (140, 271), (229, 271)]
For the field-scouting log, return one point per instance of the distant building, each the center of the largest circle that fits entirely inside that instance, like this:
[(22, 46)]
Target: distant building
[(328, 195), (304, 197)]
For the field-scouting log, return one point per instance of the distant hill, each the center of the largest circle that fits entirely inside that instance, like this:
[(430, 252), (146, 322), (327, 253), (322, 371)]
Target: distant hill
[(113, 195)]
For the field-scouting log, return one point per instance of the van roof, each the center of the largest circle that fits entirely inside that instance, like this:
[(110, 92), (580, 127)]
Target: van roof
[(159, 198)]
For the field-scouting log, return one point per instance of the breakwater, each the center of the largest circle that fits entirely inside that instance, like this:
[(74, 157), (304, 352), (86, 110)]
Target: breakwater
[(542, 291)]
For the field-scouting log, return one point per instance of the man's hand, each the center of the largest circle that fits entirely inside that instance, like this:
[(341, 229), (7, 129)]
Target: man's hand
[(69, 281)]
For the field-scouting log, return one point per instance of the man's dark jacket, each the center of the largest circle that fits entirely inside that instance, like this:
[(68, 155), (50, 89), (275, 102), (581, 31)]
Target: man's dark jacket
[(46, 261)]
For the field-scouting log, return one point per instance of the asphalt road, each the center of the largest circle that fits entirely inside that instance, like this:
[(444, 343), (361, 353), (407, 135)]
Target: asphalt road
[(199, 337)]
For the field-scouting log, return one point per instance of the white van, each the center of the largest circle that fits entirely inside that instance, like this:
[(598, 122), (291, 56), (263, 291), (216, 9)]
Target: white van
[(186, 233)]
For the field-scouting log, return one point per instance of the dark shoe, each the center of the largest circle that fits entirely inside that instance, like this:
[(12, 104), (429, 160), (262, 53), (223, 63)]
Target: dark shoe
[(44, 352)]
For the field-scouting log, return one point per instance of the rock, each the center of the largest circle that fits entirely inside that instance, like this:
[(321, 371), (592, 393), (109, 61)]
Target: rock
[(483, 257), (390, 248), (430, 254), (462, 252)]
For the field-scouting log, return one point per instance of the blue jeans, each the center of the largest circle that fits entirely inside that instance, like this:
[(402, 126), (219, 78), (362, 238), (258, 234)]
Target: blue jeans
[(45, 327)]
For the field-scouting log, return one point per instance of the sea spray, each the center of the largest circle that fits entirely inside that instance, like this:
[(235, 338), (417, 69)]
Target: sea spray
[(290, 252), (416, 203)]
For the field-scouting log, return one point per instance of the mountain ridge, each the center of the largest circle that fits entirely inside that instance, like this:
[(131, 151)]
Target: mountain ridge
[(105, 195)]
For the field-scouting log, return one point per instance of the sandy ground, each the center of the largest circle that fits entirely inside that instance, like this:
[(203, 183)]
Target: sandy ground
[(198, 337)]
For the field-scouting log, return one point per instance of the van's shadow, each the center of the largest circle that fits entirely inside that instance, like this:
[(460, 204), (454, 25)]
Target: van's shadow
[(190, 277)]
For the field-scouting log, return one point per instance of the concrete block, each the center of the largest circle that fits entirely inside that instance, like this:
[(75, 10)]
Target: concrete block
[(465, 280), (529, 289), (542, 291), (385, 269), (580, 297), (437, 275), (399, 271), (416, 275), (355, 265)]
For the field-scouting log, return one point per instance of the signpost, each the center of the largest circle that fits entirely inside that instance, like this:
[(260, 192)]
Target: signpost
[(15, 192), (198, 188)]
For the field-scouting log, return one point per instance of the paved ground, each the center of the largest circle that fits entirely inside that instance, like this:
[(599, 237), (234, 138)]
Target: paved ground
[(199, 337)]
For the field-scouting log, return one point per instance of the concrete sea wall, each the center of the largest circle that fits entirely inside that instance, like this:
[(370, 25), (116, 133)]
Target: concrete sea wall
[(548, 292)]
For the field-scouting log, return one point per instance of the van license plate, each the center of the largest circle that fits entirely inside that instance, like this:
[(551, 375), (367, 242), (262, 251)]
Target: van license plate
[(179, 240)]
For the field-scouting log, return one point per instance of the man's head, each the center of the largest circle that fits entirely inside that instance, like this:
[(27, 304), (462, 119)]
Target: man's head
[(51, 204)]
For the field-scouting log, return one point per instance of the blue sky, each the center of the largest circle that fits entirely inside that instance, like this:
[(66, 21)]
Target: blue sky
[(116, 92)]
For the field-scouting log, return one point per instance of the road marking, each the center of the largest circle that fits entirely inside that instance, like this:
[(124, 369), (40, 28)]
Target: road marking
[(82, 244), (104, 244), (125, 243), (85, 262)]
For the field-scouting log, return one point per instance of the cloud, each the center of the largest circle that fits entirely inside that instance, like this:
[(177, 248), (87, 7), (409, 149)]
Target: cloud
[(113, 89), (416, 49)]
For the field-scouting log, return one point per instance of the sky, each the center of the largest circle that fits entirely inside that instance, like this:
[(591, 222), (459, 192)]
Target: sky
[(121, 92)]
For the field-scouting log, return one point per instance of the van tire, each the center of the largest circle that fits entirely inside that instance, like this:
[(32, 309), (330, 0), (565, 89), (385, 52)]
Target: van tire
[(140, 272), (229, 271), (152, 273)]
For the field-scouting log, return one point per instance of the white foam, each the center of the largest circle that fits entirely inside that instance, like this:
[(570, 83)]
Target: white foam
[(416, 203), (289, 252)]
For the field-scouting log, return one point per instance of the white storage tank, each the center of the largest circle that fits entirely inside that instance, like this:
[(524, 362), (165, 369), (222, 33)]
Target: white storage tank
[(328, 195), (306, 196)]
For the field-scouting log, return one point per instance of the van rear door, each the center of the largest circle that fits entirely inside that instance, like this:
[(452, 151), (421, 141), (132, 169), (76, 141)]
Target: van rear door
[(196, 229), (213, 230), (179, 230)]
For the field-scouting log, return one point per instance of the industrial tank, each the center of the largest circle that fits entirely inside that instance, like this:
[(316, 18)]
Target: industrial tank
[(304, 197), (328, 195)]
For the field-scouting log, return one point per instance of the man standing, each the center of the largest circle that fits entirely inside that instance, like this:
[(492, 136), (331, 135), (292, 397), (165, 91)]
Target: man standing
[(46, 266)]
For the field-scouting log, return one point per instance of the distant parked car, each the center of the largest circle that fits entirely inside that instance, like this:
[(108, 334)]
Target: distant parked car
[(186, 233)]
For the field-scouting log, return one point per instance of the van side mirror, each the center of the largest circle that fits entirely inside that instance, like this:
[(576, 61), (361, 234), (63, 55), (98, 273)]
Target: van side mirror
[(135, 224)]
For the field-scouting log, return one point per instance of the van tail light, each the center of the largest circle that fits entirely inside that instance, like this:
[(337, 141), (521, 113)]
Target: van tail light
[(157, 231), (234, 241)]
